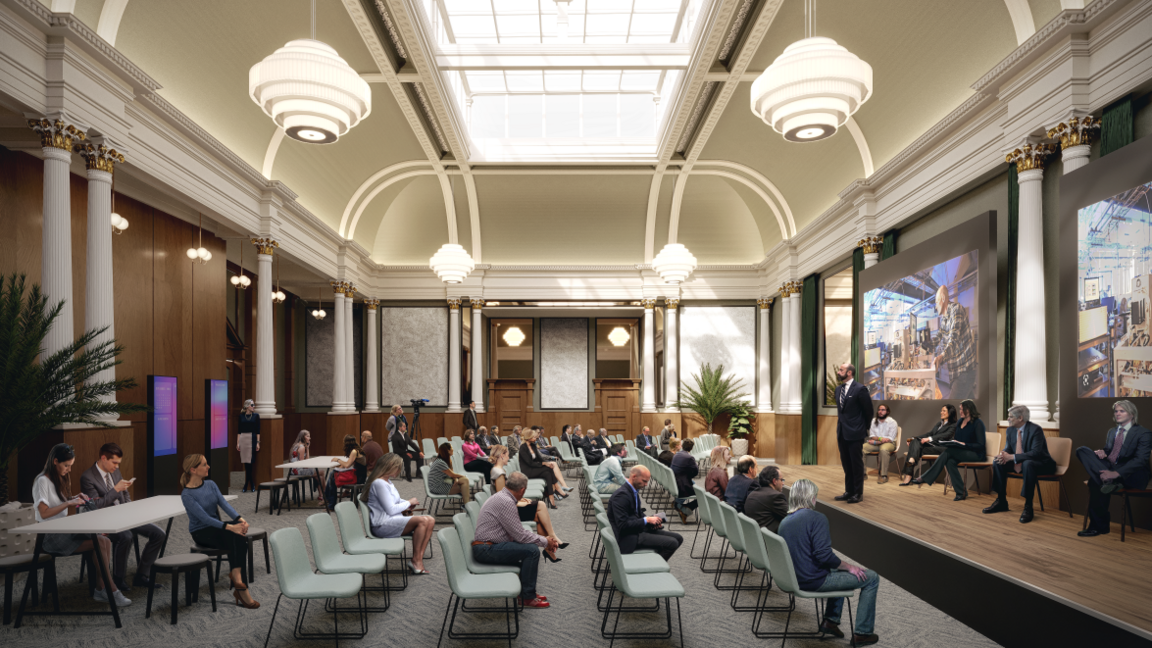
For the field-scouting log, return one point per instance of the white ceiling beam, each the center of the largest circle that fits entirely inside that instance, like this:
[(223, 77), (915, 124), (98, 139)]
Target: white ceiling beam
[(563, 57)]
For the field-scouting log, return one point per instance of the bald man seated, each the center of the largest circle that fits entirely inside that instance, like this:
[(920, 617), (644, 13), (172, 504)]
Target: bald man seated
[(632, 529)]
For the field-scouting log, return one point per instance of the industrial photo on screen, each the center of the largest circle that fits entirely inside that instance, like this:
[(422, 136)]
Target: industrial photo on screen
[(1114, 348), (921, 332)]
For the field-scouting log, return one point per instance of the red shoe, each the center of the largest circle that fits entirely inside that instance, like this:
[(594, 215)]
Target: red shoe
[(537, 602)]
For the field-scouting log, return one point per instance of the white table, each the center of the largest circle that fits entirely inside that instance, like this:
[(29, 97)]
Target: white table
[(109, 520), (323, 462)]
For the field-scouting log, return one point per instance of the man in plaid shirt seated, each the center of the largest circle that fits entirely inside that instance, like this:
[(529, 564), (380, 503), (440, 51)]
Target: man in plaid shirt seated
[(501, 539), (956, 347)]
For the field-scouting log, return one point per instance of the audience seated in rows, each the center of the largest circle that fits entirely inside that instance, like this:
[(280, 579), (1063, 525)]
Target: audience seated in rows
[(372, 451), (405, 447), (536, 466), (685, 469), (443, 481), (716, 482), (768, 504), (610, 474), (390, 516), (475, 459), (645, 442), (743, 481), (667, 434), (530, 510), (353, 462), (632, 529)]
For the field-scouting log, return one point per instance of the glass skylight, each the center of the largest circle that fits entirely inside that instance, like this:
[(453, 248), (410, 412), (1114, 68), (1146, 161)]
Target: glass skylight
[(599, 71)]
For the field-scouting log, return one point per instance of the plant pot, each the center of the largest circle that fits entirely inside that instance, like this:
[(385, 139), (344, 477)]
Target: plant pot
[(739, 447)]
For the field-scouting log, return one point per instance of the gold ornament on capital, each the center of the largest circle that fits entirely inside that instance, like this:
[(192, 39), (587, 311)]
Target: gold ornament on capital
[(266, 245), (648, 304), (454, 303), (765, 303), (56, 134), (671, 304), (1030, 157), (1077, 131), (476, 303), (372, 304), (99, 157), (871, 244)]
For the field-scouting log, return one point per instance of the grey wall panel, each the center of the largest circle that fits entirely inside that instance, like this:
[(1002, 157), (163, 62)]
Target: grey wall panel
[(719, 335), (414, 346), (319, 342), (563, 363)]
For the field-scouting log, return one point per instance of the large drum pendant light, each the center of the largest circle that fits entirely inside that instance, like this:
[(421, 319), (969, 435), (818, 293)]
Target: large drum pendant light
[(309, 91), (811, 89)]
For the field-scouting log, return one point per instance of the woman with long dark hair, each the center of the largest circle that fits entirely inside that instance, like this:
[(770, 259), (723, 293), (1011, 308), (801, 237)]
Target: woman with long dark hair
[(248, 443), (944, 430), (970, 437), (353, 462), (52, 494), (203, 502)]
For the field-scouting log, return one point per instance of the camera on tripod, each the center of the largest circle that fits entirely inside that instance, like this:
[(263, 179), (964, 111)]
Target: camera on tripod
[(417, 402)]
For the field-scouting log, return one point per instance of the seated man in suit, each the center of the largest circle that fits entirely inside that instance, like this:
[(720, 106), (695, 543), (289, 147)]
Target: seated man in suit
[(645, 442), (1122, 463), (742, 483), (768, 505), (404, 445), (634, 531), (600, 442), (1026, 452), (591, 455), (104, 485), (566, 437)]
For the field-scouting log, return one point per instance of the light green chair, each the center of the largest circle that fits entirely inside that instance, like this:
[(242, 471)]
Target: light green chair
[(737, 540), (331, 560), (662, 585), (433, 502), (640, 561), (784, 573), (357, 542), (366, 518), (297, 582), (758, 555), (703, 522), (467, 586), (466, 530)]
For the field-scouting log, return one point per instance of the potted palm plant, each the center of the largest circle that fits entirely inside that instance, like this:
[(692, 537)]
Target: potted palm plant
[(713, 395), (38, 396)]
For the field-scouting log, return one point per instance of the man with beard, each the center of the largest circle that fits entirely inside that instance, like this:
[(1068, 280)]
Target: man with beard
[(882, 440), (854, 414)]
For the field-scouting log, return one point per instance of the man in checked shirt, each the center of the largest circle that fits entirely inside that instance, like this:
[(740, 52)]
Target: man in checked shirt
[(501, 539), (956, 347)]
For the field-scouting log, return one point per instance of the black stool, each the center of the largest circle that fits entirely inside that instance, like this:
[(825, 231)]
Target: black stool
[(22, 563), (278, 494), (211, 552), (254, 534), (191, 564)]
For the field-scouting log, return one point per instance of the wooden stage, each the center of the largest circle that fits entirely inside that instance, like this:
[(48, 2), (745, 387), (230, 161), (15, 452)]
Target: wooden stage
[(923, 541)]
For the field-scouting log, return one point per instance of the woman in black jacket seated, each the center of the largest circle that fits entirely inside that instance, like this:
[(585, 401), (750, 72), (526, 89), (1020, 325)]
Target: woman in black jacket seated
[(970, 437), (536, 466), (926, 443)]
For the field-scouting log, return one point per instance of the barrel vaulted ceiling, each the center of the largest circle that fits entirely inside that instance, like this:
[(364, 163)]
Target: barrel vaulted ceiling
[(417, 167)]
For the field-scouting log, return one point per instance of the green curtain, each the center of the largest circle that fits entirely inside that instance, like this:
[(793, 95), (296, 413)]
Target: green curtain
[(1116, 129), (810, 369), (1010, 301), (889, 247), (857, 266)]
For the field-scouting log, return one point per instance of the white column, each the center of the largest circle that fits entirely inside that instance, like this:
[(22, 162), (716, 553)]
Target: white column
[(478, 384), (794, 388), (1031, 386), (764, 397), (99, 306), (371, 388), (57, 138), (349, 349), (339, 377), (871, 245), (454, 355), (671, 354), (265, 335), (648, 361), (785, 347)]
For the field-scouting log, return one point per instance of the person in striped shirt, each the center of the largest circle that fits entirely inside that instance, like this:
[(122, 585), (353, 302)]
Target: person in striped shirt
[(501, 540)]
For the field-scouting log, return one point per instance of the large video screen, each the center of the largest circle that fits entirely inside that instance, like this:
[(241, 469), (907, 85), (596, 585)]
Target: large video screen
[(1114, 338), (218, 414), (921, 333), (163, 402)]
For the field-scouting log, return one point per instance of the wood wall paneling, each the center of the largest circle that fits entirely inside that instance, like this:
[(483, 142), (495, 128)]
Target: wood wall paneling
[(766, 436), (340, 425), (827, 449), (272, 451), (787, 439), (132, 263)]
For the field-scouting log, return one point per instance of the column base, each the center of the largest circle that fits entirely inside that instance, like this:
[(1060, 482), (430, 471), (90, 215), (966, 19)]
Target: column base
[(265, 409), (671, 410), (767, 410), (454, 409), (648, 408)]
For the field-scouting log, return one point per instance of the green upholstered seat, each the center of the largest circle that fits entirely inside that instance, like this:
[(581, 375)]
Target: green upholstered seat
[(329, 558), (464, 583), (294, 571), (466, 531), (356, 541), (646, 585)]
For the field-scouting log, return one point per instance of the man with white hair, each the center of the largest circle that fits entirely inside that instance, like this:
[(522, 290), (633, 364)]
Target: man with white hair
[(632, 529), (1025, 453), (957, 347), (501, 540)]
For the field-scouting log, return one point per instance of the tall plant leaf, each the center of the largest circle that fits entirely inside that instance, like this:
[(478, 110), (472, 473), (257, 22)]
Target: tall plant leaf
[(713, 395)]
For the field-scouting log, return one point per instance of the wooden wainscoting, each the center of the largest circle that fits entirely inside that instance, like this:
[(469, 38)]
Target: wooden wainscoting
[(616, 400), (510, 401)]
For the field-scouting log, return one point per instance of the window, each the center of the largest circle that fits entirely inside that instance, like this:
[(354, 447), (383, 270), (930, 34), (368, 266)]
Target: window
[(837, 328), (617, 348), (512, 346)]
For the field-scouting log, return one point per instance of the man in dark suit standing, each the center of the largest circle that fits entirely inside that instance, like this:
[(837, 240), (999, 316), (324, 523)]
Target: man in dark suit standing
[(634, 531), (104, 484), (854, 417), (768, 505), (1122, 463), (1026, 453), (405, 446), (470, 420), (644, 442)]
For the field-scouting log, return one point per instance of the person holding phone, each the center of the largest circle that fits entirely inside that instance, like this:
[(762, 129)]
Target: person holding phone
[(106, 487), (52, 494), (634, 530), (390, 516)]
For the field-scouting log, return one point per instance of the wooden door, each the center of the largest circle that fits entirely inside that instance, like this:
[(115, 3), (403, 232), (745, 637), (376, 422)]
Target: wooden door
[(511, 401), (616, 400)]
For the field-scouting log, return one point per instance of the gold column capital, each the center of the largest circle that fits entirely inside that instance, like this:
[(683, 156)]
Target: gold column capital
[(337, 286), (764, 303), (648, 304), (1075, 131), (99, 156), (454, 303), (266, 244), (372, 304), (476, 303), (349, 289), (1030, 156), (671, 303), (54, 133), (871, 244), (797, 287)]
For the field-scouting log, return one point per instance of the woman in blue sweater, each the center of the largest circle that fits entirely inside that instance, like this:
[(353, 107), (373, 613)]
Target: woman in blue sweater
[(967, 445), (203, 501)]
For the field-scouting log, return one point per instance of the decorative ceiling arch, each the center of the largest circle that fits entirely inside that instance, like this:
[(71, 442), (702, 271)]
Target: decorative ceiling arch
[(862, 144), (270, 154), (109, 23), (765, 182), (381, 187), (345, 222), (1022, 22)]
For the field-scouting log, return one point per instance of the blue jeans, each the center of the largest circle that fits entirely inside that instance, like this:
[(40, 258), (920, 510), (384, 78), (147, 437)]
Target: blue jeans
[(524, 556), (839, 581)]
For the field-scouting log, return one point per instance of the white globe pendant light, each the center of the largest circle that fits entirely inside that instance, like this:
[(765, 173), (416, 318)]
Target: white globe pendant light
[(309, 91), (452, 263), (674, 264), (811, 89)]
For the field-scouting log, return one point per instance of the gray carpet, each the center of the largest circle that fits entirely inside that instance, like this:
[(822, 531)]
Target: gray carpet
[(414, 620)]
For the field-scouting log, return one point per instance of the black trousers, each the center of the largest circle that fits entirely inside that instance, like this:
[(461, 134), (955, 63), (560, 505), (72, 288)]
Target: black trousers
[(1099, 517), (233, 544), (852, 460), (916, 449), (409, 458), (122, 547), (949, 460), (250, 473), (664, 543), (1031, 470)]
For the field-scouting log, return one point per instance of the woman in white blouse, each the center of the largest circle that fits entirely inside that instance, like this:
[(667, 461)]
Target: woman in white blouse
[(52, 494), (389, 515)]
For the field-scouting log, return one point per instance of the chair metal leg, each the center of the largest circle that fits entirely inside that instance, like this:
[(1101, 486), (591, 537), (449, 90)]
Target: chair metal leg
[(270, 623)]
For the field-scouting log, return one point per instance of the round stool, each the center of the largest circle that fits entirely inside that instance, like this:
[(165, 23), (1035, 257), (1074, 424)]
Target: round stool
[(211, 552), (278, 492), (22, 563), (189, 563), (254, 534)]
